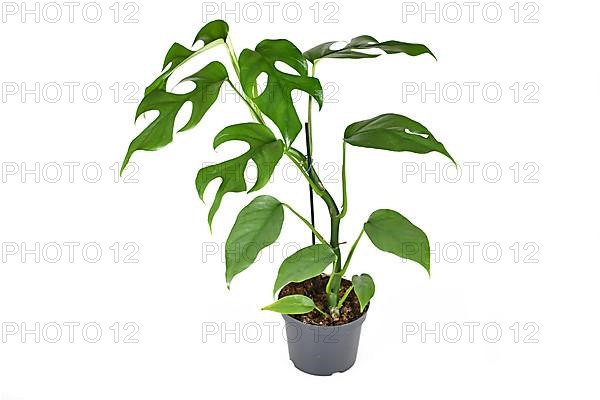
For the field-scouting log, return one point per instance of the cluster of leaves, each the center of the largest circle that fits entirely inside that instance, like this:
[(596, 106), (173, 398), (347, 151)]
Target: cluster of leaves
[(259, 224)]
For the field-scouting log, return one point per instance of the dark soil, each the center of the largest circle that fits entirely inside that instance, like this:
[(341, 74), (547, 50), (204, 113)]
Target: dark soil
[(315, 289)]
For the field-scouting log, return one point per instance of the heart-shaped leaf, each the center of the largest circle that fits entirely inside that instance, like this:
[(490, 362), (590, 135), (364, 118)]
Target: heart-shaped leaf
[(364, 42), (265, 150), (364, 287), (211, 34), (395, 133), (276, 100), (257, 226), (391, 232), (293, 304), (304, 264), (159, 133)]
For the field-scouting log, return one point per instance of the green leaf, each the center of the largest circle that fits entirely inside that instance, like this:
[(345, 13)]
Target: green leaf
[(304, 264), (352, 49), (293, 304), (364, 287), (395, 133), (213, 31), (265, 150), (391, 232), (276, 100), (257, 226), (159, 132), (212, 34)]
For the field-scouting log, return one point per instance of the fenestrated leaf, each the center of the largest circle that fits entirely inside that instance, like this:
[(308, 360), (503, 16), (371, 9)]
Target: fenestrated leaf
[(364, 287), (304, 264), (391, 232), (257, 226), (293, 304), (364, 42), (276, 100), (159, 132), (211, 34), (265, 150), (395, 133)]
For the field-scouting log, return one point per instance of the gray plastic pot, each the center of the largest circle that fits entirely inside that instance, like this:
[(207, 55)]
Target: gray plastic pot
[(322, 350)]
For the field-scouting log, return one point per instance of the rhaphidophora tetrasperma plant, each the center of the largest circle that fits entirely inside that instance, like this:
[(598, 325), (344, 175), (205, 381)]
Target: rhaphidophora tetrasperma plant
[(259, 223)]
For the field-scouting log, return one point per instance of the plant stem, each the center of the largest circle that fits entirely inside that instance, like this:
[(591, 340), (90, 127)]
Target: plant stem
[(317, 189), (317, 185), (255, 114), (333, 215), (232, 56), (321, 311), (347, 263), (333, 295), (344, 195), (344, 297), (309, 166), (236, 66), (310, 100), (308, 224)]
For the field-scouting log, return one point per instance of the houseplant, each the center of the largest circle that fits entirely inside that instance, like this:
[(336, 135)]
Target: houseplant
[(308, 296)]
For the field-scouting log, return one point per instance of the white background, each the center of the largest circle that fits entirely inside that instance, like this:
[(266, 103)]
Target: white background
[(175, 294)]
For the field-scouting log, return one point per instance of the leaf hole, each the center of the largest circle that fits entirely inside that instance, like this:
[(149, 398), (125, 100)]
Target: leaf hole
[(285, 68), (184, 87), (338, 45), (296, 95), (251, 173), (212, 188), (423, 135), (148, 117), (261, 83), (183, 116)]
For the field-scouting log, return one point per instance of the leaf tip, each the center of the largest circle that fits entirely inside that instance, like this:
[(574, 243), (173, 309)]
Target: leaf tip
[(125, 161), (454, 162), (122, 169), (210, 230)]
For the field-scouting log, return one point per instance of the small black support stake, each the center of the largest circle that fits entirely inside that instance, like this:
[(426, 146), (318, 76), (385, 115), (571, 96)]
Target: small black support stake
[(310, 191)]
